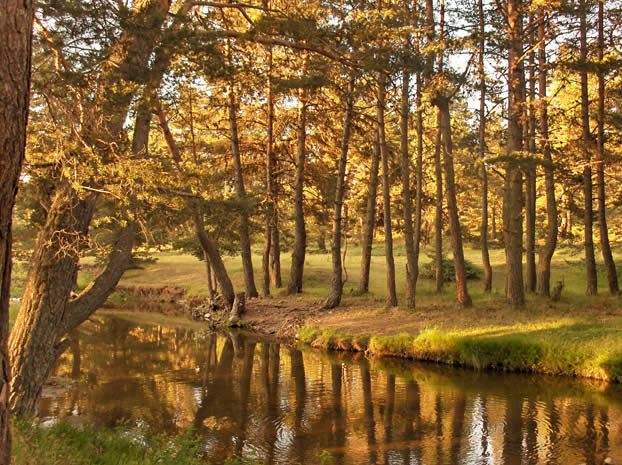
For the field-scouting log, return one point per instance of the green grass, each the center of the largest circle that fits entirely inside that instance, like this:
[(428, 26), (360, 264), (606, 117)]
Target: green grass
[(62, 444)]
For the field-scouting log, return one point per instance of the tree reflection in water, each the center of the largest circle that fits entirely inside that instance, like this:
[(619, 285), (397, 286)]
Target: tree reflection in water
[(248, 396)]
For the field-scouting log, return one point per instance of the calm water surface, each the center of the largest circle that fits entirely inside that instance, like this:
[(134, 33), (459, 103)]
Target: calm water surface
[(286, 406)]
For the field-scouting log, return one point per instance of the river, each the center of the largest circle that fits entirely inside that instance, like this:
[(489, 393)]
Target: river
[(283, 405)]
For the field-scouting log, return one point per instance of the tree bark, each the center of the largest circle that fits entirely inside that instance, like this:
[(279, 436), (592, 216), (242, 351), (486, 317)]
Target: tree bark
[(334, 298), (513, 186), (462, 293), (300, 243), (245, 242), (482, 153), (411, 258), (218, 267), (15, 53), (588, 238), (546, 253), (370, 219), (610, 266), (386, 191)]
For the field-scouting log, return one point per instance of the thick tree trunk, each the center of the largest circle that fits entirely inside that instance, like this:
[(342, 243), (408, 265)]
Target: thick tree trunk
[(482, 152), (513, 186), (265, 256), (300, 243), (15, 56), (386, 191), (612, 275), (588, 241), (218, 267), (47, 312), (370, 219), (411, 258), (334, 298), (547, 251), (462, 293), (245, 242)]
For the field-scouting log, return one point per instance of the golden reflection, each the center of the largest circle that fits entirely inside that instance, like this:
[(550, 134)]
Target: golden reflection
[(248, 396)]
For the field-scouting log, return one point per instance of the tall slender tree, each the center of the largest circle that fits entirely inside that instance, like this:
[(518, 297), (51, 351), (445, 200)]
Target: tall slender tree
[(334, 298), (482, 149), (386, 189), (547, 251), (513, 184), (610, 266), (588, 216)]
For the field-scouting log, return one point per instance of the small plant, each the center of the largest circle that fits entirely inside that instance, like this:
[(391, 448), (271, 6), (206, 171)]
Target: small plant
[(428, 271)]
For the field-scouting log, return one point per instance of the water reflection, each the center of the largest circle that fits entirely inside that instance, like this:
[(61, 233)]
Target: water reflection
[(251, 397)]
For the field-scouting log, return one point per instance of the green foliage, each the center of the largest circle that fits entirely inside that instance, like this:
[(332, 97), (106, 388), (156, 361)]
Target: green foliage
[(428, 270)]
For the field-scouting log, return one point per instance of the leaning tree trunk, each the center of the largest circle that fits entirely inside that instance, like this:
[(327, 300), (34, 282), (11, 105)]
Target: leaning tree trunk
[(547, 251), (334, 298), (52, 278), (218, 267), (438, 213), (15, 56), (245, 242), (386, 191), (482, 152), (300, 243), (462, 293), (610, 266), (370, 219), (411, 257), (590, 260), (513, 186)]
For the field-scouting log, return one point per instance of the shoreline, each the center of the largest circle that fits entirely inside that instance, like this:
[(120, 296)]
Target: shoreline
[(548, 347)]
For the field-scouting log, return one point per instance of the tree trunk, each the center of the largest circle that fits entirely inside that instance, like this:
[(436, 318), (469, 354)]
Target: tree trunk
[(218, 267), (334, 298), (462, 293), (208, 271), (419, 176), (245, 242), (47, 312), (411, 258), (482, 153), (438, 216), (386, 191), (271, 259), (513, 186), (530, 171), (612, 275), (300, 244), (370, 219), (588, 241), (546, 253), (15, 57)]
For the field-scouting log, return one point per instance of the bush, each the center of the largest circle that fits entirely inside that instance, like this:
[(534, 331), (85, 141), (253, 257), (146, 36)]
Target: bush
[(428, 271)]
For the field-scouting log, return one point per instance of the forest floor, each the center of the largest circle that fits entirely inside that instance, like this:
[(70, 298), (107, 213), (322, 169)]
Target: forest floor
[(578, 335)]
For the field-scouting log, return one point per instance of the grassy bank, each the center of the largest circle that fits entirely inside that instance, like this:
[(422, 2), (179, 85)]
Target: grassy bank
[(577, 336), (64, 444)]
